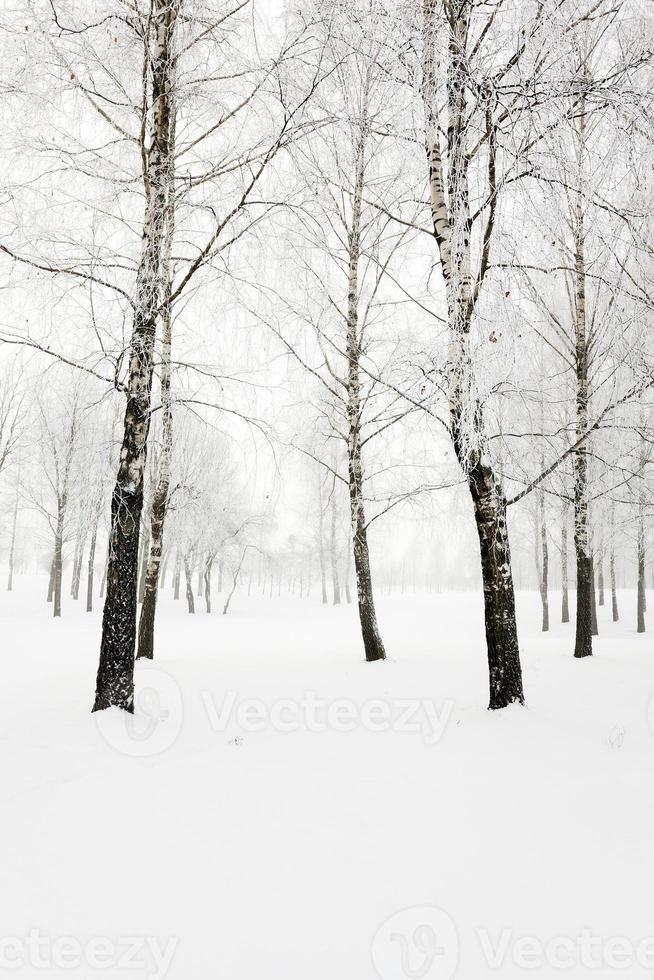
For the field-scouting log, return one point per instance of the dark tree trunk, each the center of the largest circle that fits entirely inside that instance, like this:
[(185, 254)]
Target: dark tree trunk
[(505, 672), (115, 679), (583, 557), (585, 591)]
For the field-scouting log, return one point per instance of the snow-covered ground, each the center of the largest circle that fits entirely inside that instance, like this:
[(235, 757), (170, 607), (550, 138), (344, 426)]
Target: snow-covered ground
[(279, 809)]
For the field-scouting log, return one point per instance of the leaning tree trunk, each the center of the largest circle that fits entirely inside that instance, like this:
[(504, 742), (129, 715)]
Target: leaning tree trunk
[(450, 212), (372, 641), (565, 600), (115, 680)]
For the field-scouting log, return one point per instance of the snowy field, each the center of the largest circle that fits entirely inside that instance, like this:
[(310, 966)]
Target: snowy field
[(282, 810)]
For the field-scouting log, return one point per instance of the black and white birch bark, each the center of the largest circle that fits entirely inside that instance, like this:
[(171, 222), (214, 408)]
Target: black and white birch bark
[(115, 679), (451, 221)]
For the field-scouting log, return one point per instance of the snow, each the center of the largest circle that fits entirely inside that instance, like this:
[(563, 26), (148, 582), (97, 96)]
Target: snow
[(226, 847)]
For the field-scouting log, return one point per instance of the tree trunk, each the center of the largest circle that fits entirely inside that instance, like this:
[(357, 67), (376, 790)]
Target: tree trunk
[(12, 545), (614, 594), (207, 582), (188, 575), (372, 641), (90, 570), (585, 585), (103, 580), (593, 602), (336, 588), (177, 574), (162, 487), (321, 546), (77, 566), (115, 680), (544, 568), (600, 576), (450, 212), (348, 572), (505, 672), (164, 571), (565, 600), (235, 577), (58, 561), (51, 580), (145, 554), (640, 562)]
